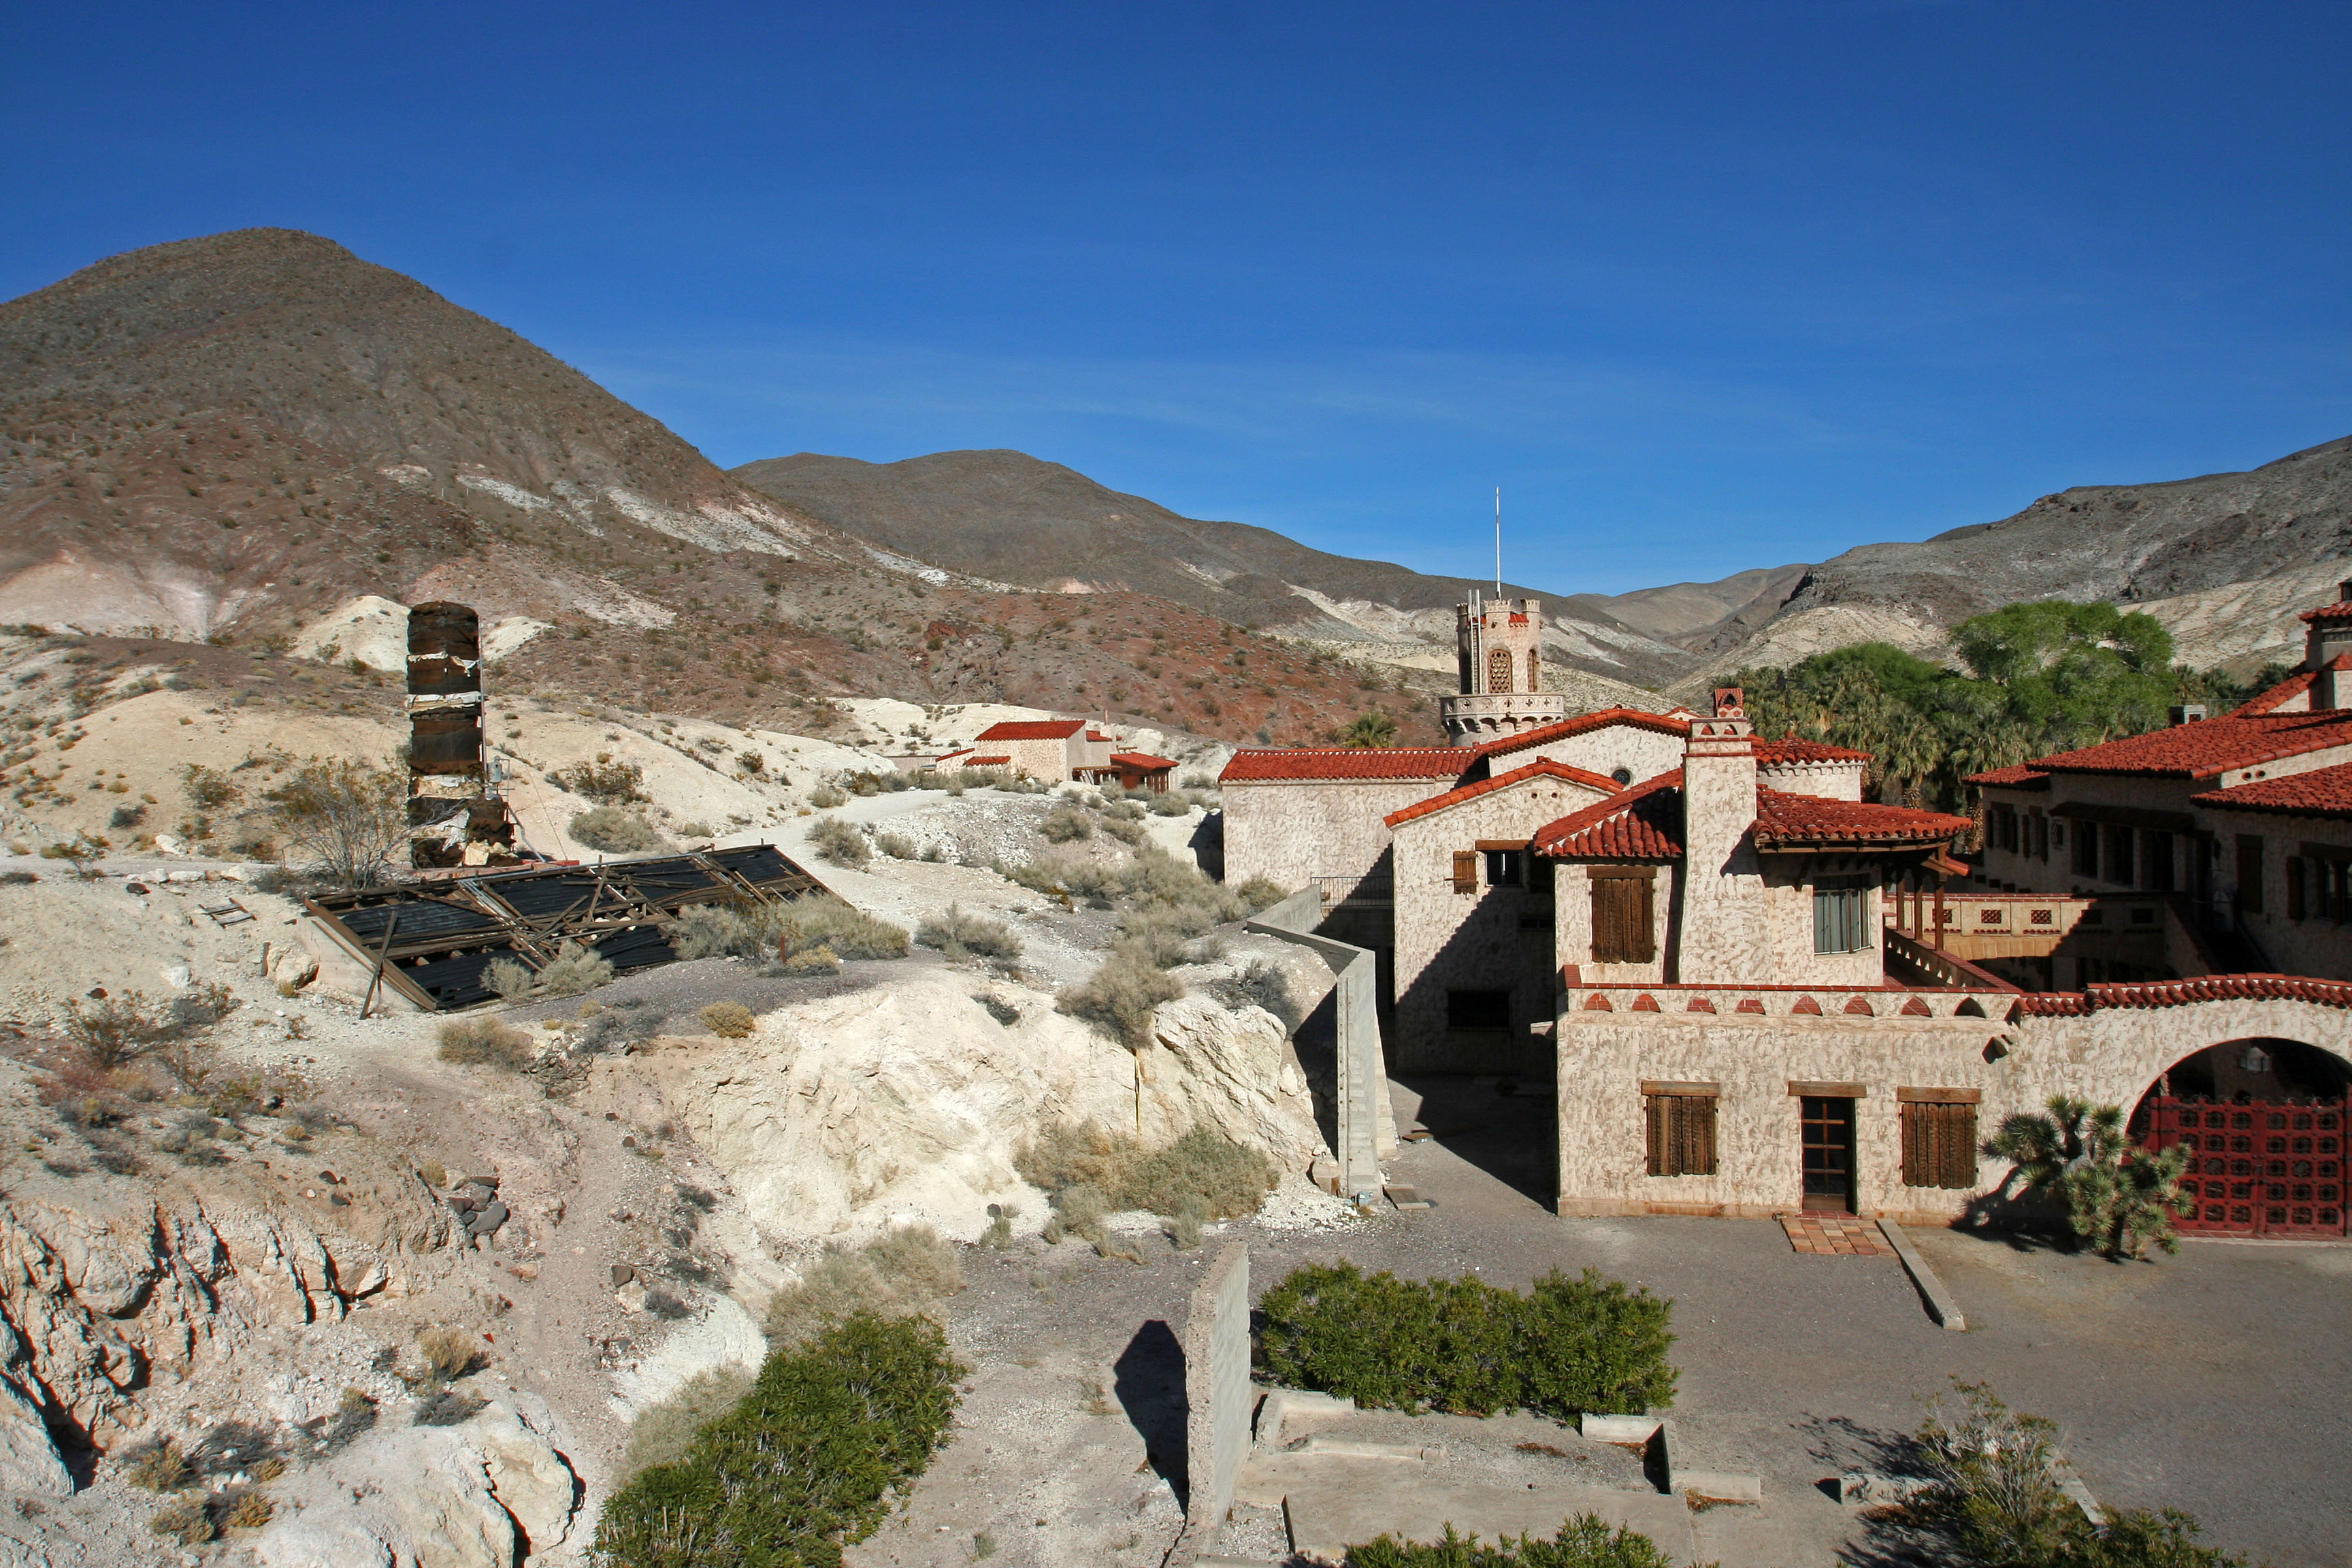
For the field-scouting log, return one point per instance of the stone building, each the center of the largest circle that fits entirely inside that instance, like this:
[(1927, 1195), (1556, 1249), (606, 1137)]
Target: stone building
[(1498, 653), (1053, 750)]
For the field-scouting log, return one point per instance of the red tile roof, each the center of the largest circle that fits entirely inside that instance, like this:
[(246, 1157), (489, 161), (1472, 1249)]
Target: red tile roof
[(2209, 749), (2322, 792), (2182, 992), (2338, 611), (1348, 763), (1542, 767), (1794, 819), (1795, 749), (1144, 761), (1097, 735), (2287, 690), (1032, 730), (990, 762), (1645, 823), (1583, 723), (2022, 777)]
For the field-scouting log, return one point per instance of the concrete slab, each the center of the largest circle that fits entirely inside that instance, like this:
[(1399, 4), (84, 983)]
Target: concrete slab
[(1328, 1516), (1941, 1304)]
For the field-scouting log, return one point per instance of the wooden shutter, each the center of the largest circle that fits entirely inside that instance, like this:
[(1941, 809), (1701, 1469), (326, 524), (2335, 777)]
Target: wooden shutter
[(1465, 870), (1681, 1131), (1621, 914), (1939, 1137)]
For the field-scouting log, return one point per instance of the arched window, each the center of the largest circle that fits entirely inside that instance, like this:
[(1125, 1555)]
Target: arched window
[(1499, 670), (1535, 672)]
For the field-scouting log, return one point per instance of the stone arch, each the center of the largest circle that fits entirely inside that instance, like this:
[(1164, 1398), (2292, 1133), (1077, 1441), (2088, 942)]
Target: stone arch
[(2115, 1055), (1498, 671)]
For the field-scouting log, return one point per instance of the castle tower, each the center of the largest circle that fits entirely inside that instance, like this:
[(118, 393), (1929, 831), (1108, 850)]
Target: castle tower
[(1497, 646)]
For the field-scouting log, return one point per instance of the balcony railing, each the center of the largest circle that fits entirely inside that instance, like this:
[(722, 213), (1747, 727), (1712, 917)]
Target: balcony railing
[(1363, 893)]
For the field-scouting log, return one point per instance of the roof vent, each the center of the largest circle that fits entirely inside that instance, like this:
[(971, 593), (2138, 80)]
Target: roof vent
[(2189, 713)]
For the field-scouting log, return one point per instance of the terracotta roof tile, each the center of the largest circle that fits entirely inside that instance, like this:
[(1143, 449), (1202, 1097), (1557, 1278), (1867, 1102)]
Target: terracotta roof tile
[(1645, 823), (1662, 723), (2322, 792), (2287, 690), (1796, 748), (1308, 762), (990, 762), (2341, 610), (2022, 777), (1032, 730), (1542, 767), (2209, 749), (1143, 760), (2182, 992), (1816, 819)]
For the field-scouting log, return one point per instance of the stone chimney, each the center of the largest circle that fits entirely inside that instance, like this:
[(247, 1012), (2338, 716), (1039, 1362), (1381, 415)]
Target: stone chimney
[(2331, 683), (2327, 633), (1724, 939)]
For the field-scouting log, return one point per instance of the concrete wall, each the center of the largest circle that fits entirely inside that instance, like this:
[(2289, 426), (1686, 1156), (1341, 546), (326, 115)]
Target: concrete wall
[(2112, 1056), (1289, 832), (1493, 939), (1217, 1394)]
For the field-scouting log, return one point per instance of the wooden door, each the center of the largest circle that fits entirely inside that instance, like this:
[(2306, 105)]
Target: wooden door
[(1828, 1141)]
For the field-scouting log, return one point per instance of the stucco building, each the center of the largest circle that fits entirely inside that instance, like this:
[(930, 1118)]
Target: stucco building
[(1053, 750)]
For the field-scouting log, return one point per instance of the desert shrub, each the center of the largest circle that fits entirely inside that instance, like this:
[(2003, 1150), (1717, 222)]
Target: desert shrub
[(1066, 825), (889, 781), (828, 923), (603, 780), (575, 970), (1172, 802), (331, 1434), (825, 796), (902, 1271), (124, 816), (1122, 995), (817, 960), (616, 831), (158, 1464), (808, 1461), (1087, 1170), (115, 1029), (694, 830), (663, 1431), (999, 1233), (347, 818), (2119, 1196), (1466, 1347), (1583, 1541), (896, 846), (447, 1354), (1259, 985), (961, 936), (727, 1020), (485, 1042), (1124, 831), (714, 931), (840, 843), (248, 1510), (185, 1521), (666, 1306), (447, 1407), (510, 977)]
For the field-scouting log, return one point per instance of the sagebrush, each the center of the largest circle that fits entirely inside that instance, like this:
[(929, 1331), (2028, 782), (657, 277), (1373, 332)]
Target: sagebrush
[(1463, 1346), (617, 831), (486, 1042), (960, 935), (1087, 1171)]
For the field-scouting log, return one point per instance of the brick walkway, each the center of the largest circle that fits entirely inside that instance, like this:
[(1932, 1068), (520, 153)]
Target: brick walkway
[(1834, 1235)]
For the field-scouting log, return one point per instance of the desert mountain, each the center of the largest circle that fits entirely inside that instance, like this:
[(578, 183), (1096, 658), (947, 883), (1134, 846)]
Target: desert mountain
[(237, 436), (1019, 520)]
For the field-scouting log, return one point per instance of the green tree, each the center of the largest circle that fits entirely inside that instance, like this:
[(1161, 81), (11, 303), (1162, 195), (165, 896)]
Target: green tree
[(1372, 728), (2119, 1196)]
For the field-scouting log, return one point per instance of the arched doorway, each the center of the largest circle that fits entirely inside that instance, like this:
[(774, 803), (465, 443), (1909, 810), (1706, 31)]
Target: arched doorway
[(2264, 1122)]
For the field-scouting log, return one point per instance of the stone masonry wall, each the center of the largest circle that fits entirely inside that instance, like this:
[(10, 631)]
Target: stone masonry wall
[(1289, 832)]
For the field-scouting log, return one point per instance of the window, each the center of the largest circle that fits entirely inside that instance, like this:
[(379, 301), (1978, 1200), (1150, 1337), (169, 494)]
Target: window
[(1499, 670), (1477, 1009), (1939, 1137), (1622, 914), (2041, 824), (2118, 855), (1505, 867), (2250, 873), (1681, 1128), (1465, 870), (1840, 907), (2086, 851), (1535, 672)]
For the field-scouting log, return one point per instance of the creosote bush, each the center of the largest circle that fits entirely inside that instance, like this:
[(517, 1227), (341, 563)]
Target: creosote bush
[(1466, 1347), (902, 1271), (1583, 1541), (961, 936), (808, 1461), (727, 1020), (616, 831), (485, 1042), (840, 843)]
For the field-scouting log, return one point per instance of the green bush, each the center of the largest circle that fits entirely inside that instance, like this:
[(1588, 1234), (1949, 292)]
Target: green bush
[(1467, 1347), (664, 1431), (807, 1462), (617, 832), (838, 842), (1584, 1541), (960, 936)]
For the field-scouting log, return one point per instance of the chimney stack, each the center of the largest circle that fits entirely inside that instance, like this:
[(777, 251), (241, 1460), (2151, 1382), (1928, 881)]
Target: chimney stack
[(1723, 936), (452, 819)]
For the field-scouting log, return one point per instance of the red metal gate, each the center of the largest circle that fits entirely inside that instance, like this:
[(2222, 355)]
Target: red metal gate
[(2263, 1169)]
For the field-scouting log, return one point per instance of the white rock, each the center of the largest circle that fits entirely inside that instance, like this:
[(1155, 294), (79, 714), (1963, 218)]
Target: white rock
[(527, 1475), (29, 1461)]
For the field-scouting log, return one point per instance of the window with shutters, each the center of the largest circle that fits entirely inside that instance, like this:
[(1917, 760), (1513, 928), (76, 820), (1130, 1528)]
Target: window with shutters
[(1622, 914), (1499, 670), (1681, 1128), (1477, 1009), (2250, 873), (1939, 1137), (1840, 904), (1465, 870)]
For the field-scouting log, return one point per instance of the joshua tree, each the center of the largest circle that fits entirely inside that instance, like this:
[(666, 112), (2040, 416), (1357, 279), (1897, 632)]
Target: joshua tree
[(2118, 1197)]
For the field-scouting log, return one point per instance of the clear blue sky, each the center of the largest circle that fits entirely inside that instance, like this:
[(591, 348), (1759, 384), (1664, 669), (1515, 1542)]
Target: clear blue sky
[(1702, 286)]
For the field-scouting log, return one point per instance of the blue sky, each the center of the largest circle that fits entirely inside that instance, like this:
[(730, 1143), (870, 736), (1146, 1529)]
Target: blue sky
[(1701, 287)]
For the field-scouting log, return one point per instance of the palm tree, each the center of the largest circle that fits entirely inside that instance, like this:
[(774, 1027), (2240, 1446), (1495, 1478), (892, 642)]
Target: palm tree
[(1372, 728), (2119, 1196)]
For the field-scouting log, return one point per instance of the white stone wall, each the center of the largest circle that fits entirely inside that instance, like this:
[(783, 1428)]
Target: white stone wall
[(1446, 940), (2113, 1056), (2312, 946), (1289, 832), (1642, 753), (1049, 760), (1722, 933), (1828, 779), (1788, 922), (1572, 928)]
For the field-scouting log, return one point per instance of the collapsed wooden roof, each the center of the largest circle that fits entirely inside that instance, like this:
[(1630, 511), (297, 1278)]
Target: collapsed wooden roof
[(433, 940)]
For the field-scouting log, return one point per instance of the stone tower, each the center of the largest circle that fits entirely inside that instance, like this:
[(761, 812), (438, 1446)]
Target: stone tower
[(1497, 646)]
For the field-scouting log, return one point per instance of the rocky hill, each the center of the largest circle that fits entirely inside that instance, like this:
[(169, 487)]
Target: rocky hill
[(238, 436)]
